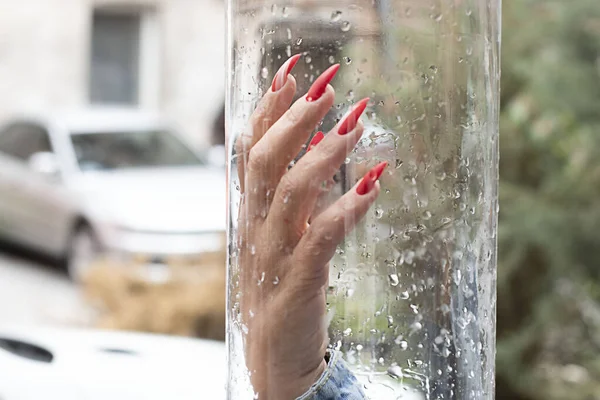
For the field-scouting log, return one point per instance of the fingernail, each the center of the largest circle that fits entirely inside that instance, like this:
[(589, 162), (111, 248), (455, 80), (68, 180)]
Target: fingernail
[(368, 182), (281, 76), (315, 140), (318, 87), (351, 119)]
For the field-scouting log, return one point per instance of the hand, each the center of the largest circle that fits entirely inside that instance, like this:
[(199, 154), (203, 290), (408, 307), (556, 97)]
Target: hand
[(284, 259)]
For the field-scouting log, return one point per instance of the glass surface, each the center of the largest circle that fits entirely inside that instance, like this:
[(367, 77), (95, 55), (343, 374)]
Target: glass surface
[(412, 292), (109, 151)]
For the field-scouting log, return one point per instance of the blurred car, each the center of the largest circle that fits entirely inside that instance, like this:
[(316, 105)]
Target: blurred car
[(107, 181), (57, 363)]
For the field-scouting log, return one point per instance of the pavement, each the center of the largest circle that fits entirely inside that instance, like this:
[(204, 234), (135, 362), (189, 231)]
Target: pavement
[(35, 292)]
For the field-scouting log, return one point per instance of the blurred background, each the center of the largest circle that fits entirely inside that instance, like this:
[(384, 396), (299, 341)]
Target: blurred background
[(112, 178)]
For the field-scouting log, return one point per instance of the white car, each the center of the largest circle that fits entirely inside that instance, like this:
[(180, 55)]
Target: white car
[(62, 364), (118, 181)]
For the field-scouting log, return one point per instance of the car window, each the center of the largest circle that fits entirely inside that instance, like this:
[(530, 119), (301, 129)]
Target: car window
[(131, 149), (22, 140)]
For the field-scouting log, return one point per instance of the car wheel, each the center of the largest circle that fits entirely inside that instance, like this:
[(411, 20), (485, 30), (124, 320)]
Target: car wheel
[(83, 251)]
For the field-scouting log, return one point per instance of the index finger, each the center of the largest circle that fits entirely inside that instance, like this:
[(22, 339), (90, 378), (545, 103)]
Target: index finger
[(270, 108)]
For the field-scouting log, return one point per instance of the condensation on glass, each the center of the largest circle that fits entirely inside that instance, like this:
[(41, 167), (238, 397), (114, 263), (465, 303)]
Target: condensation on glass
[(412, 292)]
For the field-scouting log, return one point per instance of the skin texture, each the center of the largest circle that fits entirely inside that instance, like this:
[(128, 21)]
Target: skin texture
[(284, 244)]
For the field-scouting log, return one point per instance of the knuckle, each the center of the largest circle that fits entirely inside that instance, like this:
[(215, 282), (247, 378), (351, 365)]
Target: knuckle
[(286, 188), (243, 144), (256, 159), (293, 116)]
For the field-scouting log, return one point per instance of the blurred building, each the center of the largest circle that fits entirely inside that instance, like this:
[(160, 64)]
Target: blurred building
[(164, 55)]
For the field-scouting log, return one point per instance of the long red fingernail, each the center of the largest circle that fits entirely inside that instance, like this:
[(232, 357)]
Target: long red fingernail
[(351, 119), (318, 87), (281, 76), (368, 182), (315, 140)]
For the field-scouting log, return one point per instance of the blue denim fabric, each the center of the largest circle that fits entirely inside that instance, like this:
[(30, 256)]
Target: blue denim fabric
[(336, 383)]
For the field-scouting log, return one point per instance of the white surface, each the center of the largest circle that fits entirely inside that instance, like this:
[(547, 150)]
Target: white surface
[(159, 367)]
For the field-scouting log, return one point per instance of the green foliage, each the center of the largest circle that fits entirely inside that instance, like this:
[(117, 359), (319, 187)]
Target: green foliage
[(549, 239)]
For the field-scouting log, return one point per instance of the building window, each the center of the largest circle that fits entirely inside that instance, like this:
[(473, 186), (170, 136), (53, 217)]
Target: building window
[(124, 58)]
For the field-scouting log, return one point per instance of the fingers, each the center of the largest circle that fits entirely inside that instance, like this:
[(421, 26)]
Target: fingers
[(269, 158), (319, 242), (299, 188), (270, 108)]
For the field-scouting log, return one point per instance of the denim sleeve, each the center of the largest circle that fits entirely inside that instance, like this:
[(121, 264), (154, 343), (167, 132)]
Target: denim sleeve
[(336, 383)]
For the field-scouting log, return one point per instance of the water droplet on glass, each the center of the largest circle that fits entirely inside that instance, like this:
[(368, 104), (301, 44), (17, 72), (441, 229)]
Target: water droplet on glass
[(404, 295), (445, 352), (427, 215), (378, 213), (403, 345), (415, 327), (285, 12), (347, 161), (469, 12), (433, 68), (331, 59), (276, 281), (394, 281), (264, 73), (253, 250), (390, 320), (350, 95), (359, 347), (408, 11), (348, 60), (438, 17), (308, 59), (395, 372), (348, 332), (469, 51), (336, 16), (346, 25), (298, 41)]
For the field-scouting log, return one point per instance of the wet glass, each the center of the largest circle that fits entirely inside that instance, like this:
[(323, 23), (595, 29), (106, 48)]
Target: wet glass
[(412, 290)]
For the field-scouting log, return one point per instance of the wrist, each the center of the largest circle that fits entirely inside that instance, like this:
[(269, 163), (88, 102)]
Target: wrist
[(305, 382), (276, 386)]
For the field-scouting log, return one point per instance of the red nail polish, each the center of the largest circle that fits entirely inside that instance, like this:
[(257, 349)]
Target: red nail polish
[(315, 140), (351, 119), (281, 76), (318, 87), (368, 182)]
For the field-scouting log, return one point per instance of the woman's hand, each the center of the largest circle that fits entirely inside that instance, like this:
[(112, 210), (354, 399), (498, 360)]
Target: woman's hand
[(284, 259)]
